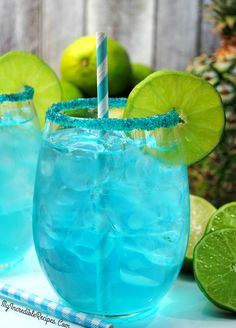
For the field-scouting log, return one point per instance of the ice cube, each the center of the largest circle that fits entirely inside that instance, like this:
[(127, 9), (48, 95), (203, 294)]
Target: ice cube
[(63, 214), (166, 251), (176, 175), (141, 220), (18, 192), (7, 167), (90, 245), (66, 196), (57, 256), (170, 196), (55, 224), (119, 204), (83, 171), (139, 280), (47, 161), (46, 167), (135, 263), (10, 141), (141, 170)]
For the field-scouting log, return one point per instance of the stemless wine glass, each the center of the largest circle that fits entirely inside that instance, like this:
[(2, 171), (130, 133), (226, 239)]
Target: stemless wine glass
[(19, 145), (110, 218)]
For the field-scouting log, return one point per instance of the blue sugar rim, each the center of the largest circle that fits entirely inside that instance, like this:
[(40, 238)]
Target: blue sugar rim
[(26, 94), (54, 115)]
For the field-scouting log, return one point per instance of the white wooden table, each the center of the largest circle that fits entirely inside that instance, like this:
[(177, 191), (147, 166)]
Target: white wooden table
[(184, 306)]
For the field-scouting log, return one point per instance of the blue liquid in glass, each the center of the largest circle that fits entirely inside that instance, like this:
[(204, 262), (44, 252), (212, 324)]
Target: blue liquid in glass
[(110, 221), (19, 147)]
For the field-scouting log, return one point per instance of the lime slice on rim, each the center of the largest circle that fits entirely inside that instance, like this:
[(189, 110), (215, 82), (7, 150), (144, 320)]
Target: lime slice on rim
[(19, 68), (224, 217), (200, 212), (214, 263), (197, 103)]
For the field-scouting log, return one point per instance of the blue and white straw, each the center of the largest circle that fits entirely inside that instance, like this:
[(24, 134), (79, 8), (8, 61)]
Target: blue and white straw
[(102, 75), (50, 308)]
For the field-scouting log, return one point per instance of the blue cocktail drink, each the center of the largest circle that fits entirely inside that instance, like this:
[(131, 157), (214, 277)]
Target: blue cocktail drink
[(111, 218), (20, 138)]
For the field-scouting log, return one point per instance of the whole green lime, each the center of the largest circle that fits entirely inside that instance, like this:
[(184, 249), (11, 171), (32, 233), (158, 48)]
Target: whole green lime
[(78, 65), (139, 72), (70, 91)]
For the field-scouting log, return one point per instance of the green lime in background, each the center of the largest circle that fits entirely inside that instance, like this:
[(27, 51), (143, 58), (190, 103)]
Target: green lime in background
[(200, 212), (70, 91), (78, 65), (139, 73)]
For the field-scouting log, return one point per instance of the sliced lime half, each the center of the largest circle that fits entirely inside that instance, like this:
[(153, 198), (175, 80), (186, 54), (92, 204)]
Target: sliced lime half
[(200, 212), (214, 263), (198, 105), (19, 68)]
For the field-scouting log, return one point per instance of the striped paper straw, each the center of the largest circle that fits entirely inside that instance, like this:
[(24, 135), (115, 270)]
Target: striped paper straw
[(51, 308), (102, 75)]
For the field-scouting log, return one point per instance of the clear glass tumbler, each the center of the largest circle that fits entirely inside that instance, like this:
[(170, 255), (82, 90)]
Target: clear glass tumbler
[(19, 146), (110, 218)]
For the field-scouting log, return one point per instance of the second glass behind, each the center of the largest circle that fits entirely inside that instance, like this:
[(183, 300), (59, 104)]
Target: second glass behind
[(19, 145), (111, 220)]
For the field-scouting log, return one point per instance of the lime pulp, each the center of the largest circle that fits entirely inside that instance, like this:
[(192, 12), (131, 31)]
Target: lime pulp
[(200, 212), (214, 264), (224, 217)]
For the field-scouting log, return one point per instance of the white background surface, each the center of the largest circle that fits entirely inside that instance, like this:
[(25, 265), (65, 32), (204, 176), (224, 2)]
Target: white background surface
[(184, 306)]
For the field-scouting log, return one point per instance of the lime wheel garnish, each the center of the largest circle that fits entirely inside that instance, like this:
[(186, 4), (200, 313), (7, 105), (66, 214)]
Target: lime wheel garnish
[(198, 104)]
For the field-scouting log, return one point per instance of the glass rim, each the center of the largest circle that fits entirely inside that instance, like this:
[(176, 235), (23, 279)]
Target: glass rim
[(26, 94), (54, 115)]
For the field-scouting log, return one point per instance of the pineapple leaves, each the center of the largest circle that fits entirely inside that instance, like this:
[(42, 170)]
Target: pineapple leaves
[(230, 20), (222, 13)]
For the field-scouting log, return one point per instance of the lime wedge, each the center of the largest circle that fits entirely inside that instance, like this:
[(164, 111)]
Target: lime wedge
[(19, 68), (224, 217), (197, 103), (200, 212), (214, 264)]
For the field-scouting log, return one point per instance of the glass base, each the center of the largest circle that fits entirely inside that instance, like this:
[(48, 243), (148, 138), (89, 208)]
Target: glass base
[(128, 317)]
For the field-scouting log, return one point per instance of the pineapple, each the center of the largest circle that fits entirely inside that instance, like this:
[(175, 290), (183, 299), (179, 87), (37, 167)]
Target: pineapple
[(214, 178)]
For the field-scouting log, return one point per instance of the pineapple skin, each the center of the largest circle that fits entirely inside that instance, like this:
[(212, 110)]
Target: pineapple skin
[(214, 178)]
